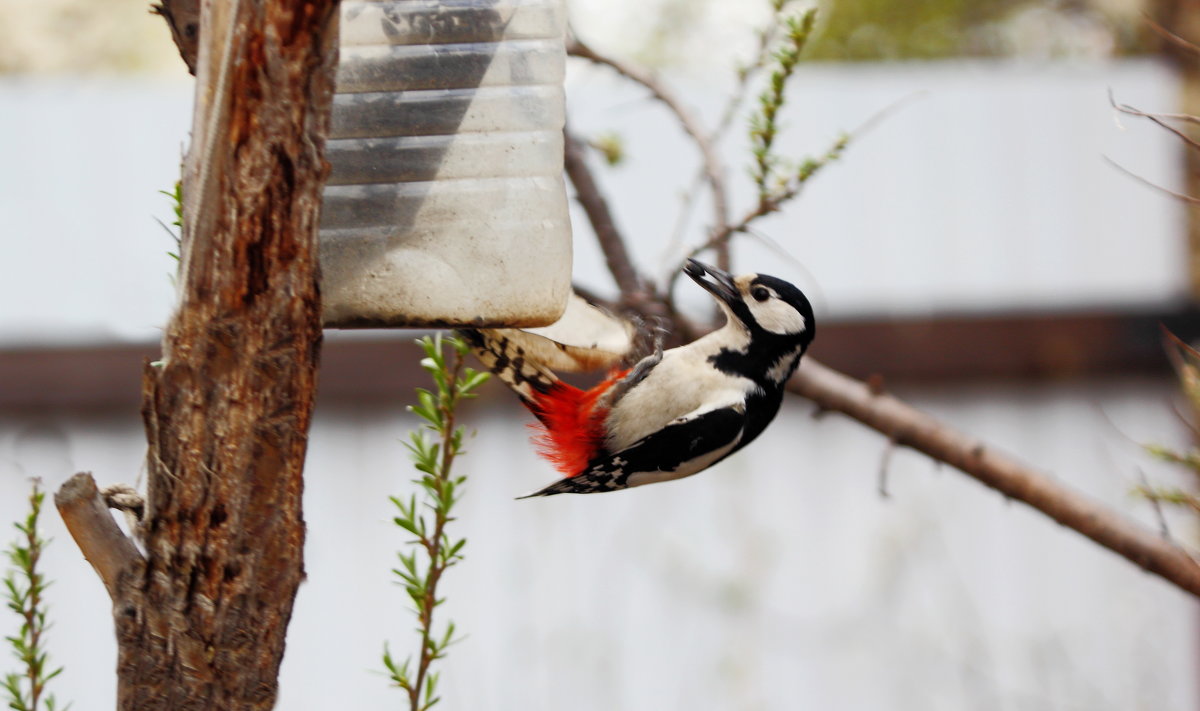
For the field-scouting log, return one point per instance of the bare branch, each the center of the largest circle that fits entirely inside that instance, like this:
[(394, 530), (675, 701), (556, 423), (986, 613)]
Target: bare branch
[(1160, 119), (767, 204), (1127, 109), (910, 427), (735, 100), (95, 531), (1186, 198), (766, 38), (612, 244), (713, 169), (1170, 36), (774, 201)]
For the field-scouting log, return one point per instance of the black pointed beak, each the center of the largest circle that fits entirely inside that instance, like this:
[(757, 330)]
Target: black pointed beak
[(714, 281)]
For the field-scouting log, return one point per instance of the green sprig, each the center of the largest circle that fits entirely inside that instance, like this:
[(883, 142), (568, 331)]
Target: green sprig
[(764, 123), (176, 196), (433, 449), (24, 589)]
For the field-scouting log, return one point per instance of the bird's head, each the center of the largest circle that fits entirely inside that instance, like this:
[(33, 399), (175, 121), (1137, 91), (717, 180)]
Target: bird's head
[(763, 305)]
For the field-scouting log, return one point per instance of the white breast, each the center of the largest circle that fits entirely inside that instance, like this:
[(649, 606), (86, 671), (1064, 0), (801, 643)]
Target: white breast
[(684, 383)]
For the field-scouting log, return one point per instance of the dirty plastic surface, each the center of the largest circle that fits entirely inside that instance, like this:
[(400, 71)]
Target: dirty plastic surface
[(446, 203)]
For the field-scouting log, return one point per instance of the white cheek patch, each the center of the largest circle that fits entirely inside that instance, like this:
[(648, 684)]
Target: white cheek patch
[(777, 317)]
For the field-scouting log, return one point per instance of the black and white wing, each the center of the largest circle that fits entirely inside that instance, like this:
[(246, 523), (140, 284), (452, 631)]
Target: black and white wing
[(688, 445)]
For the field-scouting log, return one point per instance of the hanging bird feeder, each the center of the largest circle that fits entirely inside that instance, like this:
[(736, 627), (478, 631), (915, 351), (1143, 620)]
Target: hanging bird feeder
[(445, 205)]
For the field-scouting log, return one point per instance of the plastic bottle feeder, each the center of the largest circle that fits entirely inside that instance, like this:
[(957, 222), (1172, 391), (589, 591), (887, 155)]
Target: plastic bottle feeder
[(446, 204)]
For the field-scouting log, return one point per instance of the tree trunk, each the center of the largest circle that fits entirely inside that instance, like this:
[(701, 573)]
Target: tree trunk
[(201, 618)]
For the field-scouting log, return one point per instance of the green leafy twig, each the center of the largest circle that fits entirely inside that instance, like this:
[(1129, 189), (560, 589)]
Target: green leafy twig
[(176, 196), (24, 587), (787, 187), (764, 123), (432, 550)]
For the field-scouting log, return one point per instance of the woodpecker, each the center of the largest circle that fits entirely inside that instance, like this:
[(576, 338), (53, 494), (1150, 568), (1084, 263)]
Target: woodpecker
[(676, 412)]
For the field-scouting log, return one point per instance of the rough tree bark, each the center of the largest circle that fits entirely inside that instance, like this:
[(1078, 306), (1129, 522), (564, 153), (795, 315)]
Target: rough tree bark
[(201, 615)]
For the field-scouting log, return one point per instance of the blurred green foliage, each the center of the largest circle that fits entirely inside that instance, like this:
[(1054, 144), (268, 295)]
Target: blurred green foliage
[(873, 30), (883, 29)]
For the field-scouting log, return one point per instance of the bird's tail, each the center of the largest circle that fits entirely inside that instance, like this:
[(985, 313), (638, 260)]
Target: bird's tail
[(506, 352)]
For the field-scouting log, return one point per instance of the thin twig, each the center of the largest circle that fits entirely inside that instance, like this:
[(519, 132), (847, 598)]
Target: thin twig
[(1186, 118), (766, 38), (675, 242), (1186, 198), (735, 100), (1185, 420), (884, 413), (609, 237), (766, 205), (713, 169), (1159, 119), (775, 201)]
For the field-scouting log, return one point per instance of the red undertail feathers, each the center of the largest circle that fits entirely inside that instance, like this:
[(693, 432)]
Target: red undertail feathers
[(570, 430)]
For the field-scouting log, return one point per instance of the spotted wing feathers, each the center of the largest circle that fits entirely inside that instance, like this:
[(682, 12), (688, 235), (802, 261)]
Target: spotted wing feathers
[(501, 350)]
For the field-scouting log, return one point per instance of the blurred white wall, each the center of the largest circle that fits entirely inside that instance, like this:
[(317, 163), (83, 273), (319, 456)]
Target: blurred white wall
[(983, 185), (987, 191), (778, 580)]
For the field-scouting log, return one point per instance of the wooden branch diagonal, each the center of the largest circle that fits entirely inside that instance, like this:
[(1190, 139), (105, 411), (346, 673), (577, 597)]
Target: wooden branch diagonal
[(910, 427), (96, 532)]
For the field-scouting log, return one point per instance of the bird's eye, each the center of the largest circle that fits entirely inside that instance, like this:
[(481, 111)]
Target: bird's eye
[(760, 293)]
